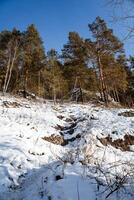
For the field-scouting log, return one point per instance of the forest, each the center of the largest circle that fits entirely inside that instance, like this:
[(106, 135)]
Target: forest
[(66, 100), (87, 69)]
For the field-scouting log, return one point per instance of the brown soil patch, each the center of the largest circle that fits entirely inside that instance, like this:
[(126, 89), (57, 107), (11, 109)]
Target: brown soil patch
[(59, 140), (127, 114), (122, 144), (55, 139)]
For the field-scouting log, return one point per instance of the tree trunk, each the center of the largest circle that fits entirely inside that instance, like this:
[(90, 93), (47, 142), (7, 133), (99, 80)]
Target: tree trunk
[(39, 83), (11, 68), (7, 72), (54, 95), (26, 79), (102, 82), (114, 96), (117, 95), (76, 80)]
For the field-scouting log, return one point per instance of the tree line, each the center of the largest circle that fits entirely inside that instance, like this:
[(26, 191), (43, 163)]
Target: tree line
[(87, 69)]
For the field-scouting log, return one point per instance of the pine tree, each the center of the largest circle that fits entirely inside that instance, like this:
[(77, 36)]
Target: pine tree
[(128, 98), (57, 83), (9, 52), (115, 69), (76, 67), (33, 58), (104, 45)]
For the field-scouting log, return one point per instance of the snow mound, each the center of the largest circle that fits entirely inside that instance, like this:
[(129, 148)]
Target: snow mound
[(60, 151)]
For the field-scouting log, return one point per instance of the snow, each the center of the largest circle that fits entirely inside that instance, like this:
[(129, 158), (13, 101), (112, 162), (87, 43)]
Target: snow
[(32, 168)]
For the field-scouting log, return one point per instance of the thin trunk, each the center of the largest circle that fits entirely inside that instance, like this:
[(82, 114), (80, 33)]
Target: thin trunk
[(54, 78), (131, 101), (76, 80), (26, 79), (54, 93), (117, 95), (103, 86), (11, 67), (60, 92), (114, 95), (39, 83), (7, 72), (81, 93)]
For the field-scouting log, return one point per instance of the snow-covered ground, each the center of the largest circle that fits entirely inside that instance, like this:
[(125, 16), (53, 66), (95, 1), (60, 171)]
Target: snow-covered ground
[(33, 167)]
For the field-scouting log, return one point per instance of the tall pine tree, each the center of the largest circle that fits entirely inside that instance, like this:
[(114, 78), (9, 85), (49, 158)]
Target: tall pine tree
[(33, 59)]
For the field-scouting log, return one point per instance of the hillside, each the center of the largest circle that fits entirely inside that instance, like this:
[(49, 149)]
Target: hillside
[(67, 151)]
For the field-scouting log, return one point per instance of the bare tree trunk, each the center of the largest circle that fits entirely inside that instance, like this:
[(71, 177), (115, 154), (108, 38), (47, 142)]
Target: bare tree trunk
[(54, 95), (102, 82), (75, 85), (60, 92), (26, 80), (132, 103), (114, 95), (7, 72), (39, 83), (117, 95), (76, 80), (11, 68), (81, 93)]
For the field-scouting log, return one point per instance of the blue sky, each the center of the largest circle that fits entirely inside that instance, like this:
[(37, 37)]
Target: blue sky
[(55, 18)]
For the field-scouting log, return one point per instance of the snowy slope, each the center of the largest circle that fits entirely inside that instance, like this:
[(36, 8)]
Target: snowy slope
[(34, 166)]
